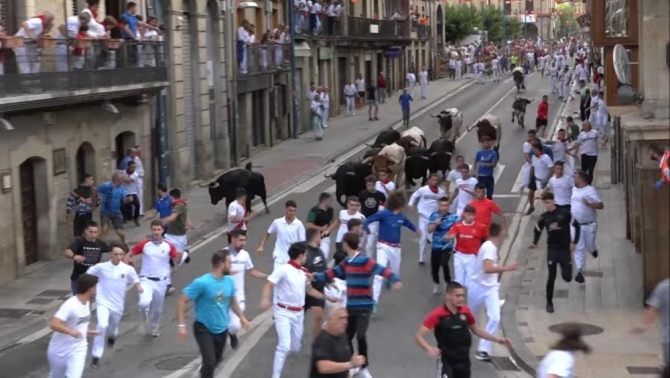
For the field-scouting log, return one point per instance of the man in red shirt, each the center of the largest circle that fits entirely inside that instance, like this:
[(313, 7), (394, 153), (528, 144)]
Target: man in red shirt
[(542, 116), (468, 235), (453, 324), (485, 208)]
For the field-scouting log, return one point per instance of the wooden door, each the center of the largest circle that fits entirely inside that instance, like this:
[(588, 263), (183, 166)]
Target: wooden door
[(29, 211)]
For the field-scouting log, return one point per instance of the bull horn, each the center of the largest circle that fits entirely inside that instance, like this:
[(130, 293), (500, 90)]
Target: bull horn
[(202, 186), (433, 154), (214, 185), (414, 143), (532, 99), (351, 174), (369, 145), (330, 176), (432, 115), (424, 157), (449, 153)]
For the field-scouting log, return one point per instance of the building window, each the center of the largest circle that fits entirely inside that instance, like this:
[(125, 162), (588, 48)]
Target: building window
[(616, 18), (59, 161)]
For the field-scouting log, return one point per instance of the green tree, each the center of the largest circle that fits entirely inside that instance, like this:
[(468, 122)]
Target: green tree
[(566, 21), (460, 21), (514, 28)]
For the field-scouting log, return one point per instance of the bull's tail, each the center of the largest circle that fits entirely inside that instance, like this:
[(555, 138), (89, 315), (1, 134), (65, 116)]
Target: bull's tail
[(249, 166)]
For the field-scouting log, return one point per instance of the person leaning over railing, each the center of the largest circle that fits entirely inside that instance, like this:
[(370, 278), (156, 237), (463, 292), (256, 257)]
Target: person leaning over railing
[(27, 56)]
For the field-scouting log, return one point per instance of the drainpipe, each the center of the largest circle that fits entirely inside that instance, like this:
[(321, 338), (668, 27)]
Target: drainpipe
[(232, 89), (294, 76), (160, 107)]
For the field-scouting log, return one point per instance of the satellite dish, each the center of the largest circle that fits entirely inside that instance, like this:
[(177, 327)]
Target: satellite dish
[(622, 64)]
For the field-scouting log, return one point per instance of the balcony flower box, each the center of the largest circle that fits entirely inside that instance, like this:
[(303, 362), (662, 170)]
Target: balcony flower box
[(11, 42), (81, 43), (46, 42), (112, 44)]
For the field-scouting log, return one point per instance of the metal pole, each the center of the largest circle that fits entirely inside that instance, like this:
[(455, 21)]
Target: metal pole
[(294, 77), (232, 94)]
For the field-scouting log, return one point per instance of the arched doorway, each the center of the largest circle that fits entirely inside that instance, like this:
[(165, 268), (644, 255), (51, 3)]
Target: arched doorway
[(34, 206), (440, 26), (124, 141), (530, 31), (85, 160)]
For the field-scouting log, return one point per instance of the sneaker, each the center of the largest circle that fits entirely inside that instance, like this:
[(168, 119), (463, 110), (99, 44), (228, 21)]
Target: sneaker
[(156, 331), (95, 363), (137, 223), (370, 119), (375, 308), (482, 356), (436, 289), (421, 263), (110, 341), (530, 211), (234, 342), (170, 290), (325, 126), (354, 371), (550, 308), (376, 119), (579, 278), (594, 254), (364, 373)]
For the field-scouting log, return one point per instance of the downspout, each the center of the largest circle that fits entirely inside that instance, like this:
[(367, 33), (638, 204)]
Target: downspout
[(160, 106), (232, 92), (294, 76)]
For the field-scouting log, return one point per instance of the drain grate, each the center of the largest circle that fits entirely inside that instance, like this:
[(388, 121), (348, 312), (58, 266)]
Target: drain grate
[(643, 370), (592, 273), (504, 364), (13, 313), (54, 293), (587, 329), (40, 301), (174, 363)]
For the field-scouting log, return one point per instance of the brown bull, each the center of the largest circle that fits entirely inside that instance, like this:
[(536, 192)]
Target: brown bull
[(407, 143)]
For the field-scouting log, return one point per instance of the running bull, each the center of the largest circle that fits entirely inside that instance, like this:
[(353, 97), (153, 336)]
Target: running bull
[(451, 121), (519, 78), (519, 109), (416, 166), (386, 137), (440, 153), (350, 179), (490, 126), (390, 159), (225, 185), (417, 135)]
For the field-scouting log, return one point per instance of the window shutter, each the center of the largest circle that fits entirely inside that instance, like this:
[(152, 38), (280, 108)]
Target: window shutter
[(75, 8)]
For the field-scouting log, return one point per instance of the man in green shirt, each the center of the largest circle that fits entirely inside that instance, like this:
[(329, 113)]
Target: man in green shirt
[(512, 61), (178, 223), (573, 129)]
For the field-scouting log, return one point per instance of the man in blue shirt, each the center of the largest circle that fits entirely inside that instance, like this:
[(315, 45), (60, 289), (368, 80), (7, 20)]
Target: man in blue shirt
[(485, 161), (113, 197), (163, 205), (213, 296), (130, 157), (391, 220), (404, 101), (129, 31), (439, 224)]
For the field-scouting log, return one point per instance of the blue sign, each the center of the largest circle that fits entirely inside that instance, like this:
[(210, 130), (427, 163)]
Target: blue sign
[(393, 52)]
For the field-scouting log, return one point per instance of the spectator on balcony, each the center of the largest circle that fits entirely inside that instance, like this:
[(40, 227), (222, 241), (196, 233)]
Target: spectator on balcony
[(381, 87), (148, 52), (70, 30), (27, 56), (411, 81), (95, 29), (129, 30), (331, 14), (79, 53), (325, 104), (350, 94), (423, 81), (300, 10), (360, 88), (252, 33), (265, 40), (338, 18), (107, 57), (242, 44), (314, 13), (281, 40)]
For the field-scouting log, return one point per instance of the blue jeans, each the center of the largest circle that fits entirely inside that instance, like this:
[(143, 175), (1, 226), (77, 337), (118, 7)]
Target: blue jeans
[(489, 183)]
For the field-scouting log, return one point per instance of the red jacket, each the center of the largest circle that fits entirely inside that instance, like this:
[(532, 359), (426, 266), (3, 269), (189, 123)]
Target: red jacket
[(381, 82), (543, 110)]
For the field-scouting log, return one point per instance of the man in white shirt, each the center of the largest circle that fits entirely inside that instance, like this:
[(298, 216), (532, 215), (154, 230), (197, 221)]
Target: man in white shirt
[(465, 189), (289, 230), (68, 346), (131, 209), (541, 167), (468, 65), (360, 88), (314, 13), (603, 116), (350, 96), (561, 185), (325, 107), (588, 141), (315, 108), (495, 65), (240, 264), (554, 78), (352, 212), (291, 284), (243, 39), (566, 80), (411, 82), (27, 56), (113, 277), (427, 201), (484, 288), (68, 31), (459, 69), (139, 182), (452, 68), (237, 213), (423, 81), (331, 13), (584, 203)]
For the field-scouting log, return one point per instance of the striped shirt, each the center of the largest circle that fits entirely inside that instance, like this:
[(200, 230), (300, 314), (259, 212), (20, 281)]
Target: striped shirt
[(358, 272)]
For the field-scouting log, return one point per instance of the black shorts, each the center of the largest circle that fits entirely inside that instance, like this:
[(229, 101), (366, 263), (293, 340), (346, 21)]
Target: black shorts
[(313, 302), (540, 122), (532, 183), (456, 369), (362, 94)]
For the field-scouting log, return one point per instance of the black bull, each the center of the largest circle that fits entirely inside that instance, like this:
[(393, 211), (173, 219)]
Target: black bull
[(224, 187), (386, 137), (440, 152), (417, 163), (518, 80), (349, 180)]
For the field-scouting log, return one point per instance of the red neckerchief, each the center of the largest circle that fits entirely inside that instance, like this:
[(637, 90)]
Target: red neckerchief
[(44, 22), (296, 265), (433, 189), (386, 181), (94, 13), (78, 51), (179, 201)]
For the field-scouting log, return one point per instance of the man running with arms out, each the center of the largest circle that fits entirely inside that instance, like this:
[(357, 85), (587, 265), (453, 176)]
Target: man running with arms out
[(213, 297), (452, 323), (583, 205), (468, 235), (372, 200), (484, 287), (541, 167), (426, 201), (113, 277), (319, 218), (289, 230), (465, 187), (485, 208), (241, 263), (439, 223), (358, 270), (237, 213), (353, 205), (391, 220), (290, 283), (154, 276), (557, 221)]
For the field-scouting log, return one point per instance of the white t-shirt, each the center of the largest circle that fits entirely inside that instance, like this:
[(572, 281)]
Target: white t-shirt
[(75, 315), (557, 362), (562, 189), (411, 78), (240, 263), (559, 148), (112, 283), (242, 34), (344, 219), (588, 141), (426, 201), (72, 25), (526, 150), (236, 210), (543, 166), (290, 285), (488, 251), (423, 76), (155, 258), (131, 188), (360, 85), (349, 90), (287, 234), (464, 198), (494, 63), (454, 175), (385, 188), (580, 211), (36, 27)]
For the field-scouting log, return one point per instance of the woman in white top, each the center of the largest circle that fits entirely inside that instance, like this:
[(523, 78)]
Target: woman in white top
[(560, 361)]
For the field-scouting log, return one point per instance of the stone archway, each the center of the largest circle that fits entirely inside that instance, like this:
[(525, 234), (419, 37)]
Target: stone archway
[(85, 161), (440, 25), (123, 142), (530, 30), (34, 207)]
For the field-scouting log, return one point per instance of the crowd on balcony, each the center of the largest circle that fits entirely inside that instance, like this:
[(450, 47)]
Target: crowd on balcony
[(73, 42), (270, 53), (317, 17)]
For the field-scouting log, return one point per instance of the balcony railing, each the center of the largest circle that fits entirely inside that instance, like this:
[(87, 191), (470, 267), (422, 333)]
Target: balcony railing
[(422, 31), (368, 28), (260, 58), (49, 65), (325, 26)]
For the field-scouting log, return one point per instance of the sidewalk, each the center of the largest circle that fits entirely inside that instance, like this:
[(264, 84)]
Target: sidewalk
[(29, 301), (607, 304)]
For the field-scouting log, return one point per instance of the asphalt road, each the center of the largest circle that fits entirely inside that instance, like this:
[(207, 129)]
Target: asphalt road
[(392, 352)]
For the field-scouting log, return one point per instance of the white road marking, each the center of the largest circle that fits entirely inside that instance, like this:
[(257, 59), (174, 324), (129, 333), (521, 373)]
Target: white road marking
[(506, 196), (497, 172), (230, 365)]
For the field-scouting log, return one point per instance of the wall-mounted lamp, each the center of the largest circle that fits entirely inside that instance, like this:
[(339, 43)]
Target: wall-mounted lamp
[(6, 181), (108, 106)]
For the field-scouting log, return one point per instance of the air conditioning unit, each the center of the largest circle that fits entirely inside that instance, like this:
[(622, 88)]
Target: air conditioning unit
[(626, 93)]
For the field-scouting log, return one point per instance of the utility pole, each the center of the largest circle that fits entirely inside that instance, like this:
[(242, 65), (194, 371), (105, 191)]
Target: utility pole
[(294, 79)]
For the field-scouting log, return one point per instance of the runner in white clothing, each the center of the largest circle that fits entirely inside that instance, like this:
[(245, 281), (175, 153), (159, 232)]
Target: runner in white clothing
[(240, 264), (484, 288), (465, 189), (426, 200), (113, 278), (561, 185), (289, 230), (68, 345), (340, 223), (452, 177), (583, 205), (237, 213)]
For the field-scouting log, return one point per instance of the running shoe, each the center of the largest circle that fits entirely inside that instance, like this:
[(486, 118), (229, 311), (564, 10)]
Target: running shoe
[(482, 356), (375, 308), (95, 363), (156, 331), (234, 342), (364, 373)]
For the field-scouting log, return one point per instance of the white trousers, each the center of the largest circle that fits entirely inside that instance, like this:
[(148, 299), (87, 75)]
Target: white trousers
[(488, 296), (325, 246), (139, 184), (28, 59), (289, 326), (423, 226), (388, 257), (411, 88), (351, 105), (61, 52), (68, 366), (371, 239), (108, 326), (151, 300), (554, 85), (478, 77), (180, 243), (424, 89), (464, 268), (234, 322), (324, 117), (593, 120), (587, 242), (496, 74), (317, 127), (565, 90)]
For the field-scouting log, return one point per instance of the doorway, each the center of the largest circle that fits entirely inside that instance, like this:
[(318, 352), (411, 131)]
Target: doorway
[(34, 198), (114, 8), (258, 119), (368, 72), (342, 69), (85, 160), (123, 142)]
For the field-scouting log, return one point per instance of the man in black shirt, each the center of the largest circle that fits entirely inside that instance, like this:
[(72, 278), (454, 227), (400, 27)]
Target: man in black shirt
[(559, 245), (331, 353), (85, 252), (319, 218), (372, 102), (316, 262), (371, 199)]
